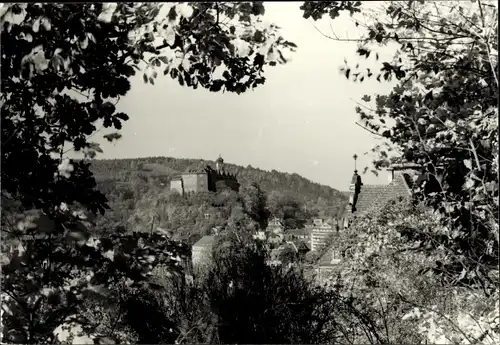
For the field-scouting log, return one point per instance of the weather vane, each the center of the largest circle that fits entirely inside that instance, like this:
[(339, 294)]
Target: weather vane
[(355, 157)]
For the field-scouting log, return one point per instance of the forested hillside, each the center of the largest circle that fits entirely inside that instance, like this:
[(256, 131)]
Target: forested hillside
[(140, 199)]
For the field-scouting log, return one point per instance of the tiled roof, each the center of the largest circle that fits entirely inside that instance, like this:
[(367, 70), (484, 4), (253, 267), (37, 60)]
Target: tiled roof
[(367, 196), (376, 196), (205, 242), (298, 232), (397, 188), (373, 197), (326, 259)]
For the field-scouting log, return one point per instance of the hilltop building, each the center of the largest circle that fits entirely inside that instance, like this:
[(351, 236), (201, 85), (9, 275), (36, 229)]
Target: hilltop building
[(205, 180), (367, 198)]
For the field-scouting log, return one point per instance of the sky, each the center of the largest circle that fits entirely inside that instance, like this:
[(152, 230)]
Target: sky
[(301, 121)]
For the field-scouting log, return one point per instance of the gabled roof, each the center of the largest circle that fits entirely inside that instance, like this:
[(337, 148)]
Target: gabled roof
[(397, 188), (205, 242), (298, 232), (302, 245), (368, 196), (372, 197), (326, 260), (376, 196)]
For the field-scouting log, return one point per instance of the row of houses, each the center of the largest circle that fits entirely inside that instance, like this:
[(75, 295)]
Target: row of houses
[(314, 236)]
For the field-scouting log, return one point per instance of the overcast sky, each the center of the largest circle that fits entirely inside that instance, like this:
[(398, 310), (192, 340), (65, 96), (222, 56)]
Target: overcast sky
[(301, 120)]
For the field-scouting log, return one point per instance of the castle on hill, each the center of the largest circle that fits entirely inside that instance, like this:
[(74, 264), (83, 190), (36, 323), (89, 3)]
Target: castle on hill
[(205, 180)]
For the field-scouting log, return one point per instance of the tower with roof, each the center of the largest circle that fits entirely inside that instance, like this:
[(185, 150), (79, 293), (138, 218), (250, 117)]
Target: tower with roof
[(219, 165)]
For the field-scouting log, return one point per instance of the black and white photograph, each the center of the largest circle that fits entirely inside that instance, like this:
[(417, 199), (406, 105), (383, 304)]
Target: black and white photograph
[(248, 172)]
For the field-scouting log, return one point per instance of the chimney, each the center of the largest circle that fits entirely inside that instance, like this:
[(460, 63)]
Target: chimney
[(409, 168), (391, 174)]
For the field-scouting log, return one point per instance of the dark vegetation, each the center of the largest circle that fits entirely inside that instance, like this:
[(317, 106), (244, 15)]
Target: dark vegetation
[(421, 272), (138, 192)]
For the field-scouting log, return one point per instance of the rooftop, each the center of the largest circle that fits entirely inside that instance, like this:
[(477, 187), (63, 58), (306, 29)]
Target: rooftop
[(376, 196), (372, 197), (326, 260), (205, 242), (298, 232)]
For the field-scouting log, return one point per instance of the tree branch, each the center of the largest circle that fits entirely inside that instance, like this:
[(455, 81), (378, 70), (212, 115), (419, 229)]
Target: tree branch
[(369, 130)]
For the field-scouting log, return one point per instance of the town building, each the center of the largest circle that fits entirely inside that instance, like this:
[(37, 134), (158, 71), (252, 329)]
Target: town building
[(275, 225), (321, 231), (298, 234), (205, 180), (202, 252), (367, 198)]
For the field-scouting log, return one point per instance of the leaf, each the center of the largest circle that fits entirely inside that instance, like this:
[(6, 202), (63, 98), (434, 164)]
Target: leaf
[(122, 116), (145, 78), (163, 59), (129, 71), (36, 25), (112, 136), (469, 184), (170, 36), (79, 233), (468, 163), (45, 224), (173, 73), (96, 147)]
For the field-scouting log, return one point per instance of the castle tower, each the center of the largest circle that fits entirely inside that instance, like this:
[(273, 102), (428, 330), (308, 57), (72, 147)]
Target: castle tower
[(219, 164)]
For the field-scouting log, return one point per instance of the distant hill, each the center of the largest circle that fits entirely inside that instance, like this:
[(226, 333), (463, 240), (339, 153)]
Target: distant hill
[(138, 191)]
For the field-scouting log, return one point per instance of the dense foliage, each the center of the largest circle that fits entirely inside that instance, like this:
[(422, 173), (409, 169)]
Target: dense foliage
[(139, 195), (420, 271), (238, 298), (442, 261), (442, 114), (63, 68), (408, 285), (51, 52)]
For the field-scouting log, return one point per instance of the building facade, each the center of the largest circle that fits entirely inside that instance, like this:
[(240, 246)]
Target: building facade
[(205, 180), (201, 252), (321, 231)]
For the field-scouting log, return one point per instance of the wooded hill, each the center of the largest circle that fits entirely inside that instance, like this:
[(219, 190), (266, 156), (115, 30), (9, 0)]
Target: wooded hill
[(139, 196)]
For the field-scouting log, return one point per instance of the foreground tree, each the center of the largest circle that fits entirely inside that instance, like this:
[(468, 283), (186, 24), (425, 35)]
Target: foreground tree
[(64, 66), (386, 267), (52, 52), (239, 298), (442, 114)]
